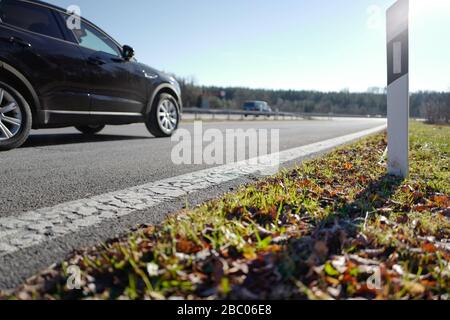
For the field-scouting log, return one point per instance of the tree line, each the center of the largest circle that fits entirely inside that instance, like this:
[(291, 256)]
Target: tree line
[(433, 106)]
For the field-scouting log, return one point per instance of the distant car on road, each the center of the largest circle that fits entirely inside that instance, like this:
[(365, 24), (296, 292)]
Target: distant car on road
[(256, 106), (54, 74)]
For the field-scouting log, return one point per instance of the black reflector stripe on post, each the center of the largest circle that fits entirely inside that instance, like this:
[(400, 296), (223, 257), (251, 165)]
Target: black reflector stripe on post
[(398, 57)]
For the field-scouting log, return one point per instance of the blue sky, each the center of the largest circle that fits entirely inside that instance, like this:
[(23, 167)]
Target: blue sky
[(325, 45)]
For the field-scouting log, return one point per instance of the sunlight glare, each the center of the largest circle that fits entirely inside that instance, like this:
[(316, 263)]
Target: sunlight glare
[(428, 7)]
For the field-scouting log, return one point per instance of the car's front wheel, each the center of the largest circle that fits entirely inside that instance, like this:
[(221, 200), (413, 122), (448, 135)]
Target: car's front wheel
[(15, 118), (90, 129), (164, 116)]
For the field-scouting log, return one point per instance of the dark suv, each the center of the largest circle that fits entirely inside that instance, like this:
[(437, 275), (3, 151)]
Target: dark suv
[(256, 106), (53, 74)]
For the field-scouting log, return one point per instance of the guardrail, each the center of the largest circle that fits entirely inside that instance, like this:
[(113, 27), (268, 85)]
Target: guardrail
[(277, 115)]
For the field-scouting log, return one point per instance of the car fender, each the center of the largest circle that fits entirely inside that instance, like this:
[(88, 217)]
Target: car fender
[(161, 88), (24, 81)]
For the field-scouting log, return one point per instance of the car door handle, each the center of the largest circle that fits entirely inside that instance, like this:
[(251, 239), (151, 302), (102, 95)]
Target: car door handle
[(96, 61), (20, 42)]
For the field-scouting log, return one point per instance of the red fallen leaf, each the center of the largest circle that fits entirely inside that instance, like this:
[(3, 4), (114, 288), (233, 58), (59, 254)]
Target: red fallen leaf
[(332, 193), (429, 247), (363, 179), (348, 166), (304, 183), (365, 290), (421, 208), (238, 211), (187, 246), (206, 245), (349, 279), (429, 283), (418, 195), (273, 212), (441, 201)]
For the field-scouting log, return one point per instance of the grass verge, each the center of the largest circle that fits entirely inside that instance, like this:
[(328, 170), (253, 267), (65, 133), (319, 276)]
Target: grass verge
[(333, 228)]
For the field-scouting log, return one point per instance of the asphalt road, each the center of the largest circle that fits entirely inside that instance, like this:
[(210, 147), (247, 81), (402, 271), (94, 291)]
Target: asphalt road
[(63, 191), (61, 165)]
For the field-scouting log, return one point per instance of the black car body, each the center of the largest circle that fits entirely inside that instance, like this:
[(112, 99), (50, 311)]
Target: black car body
[(61, 76)]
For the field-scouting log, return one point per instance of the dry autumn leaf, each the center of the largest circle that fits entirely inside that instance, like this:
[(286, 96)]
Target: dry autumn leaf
[(187, 246), (441, 201), (429, 247), (348, 166)]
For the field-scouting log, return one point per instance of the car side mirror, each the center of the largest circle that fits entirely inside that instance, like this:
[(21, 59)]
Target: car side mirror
[(127, 52)]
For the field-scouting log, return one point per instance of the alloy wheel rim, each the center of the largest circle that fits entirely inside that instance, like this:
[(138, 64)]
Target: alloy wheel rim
[(10, 116), (167, 116)]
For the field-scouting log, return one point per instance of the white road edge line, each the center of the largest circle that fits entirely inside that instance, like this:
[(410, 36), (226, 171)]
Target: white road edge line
[(47, 224)]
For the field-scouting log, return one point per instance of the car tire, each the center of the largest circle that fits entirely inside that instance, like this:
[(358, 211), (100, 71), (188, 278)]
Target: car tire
[(90, 129), (164, 116), (15, 120)]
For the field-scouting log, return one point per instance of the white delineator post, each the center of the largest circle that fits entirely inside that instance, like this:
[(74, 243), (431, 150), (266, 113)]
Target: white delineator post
[(398, 88)]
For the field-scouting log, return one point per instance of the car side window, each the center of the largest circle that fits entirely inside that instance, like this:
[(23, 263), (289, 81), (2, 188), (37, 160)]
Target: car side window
[(89, 37), (31, 17)]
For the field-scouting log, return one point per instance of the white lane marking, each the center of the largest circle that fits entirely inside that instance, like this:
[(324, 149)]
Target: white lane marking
[(43, 225)]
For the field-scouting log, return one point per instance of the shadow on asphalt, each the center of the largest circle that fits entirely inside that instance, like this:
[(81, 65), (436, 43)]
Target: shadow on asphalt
[(43, 140)]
